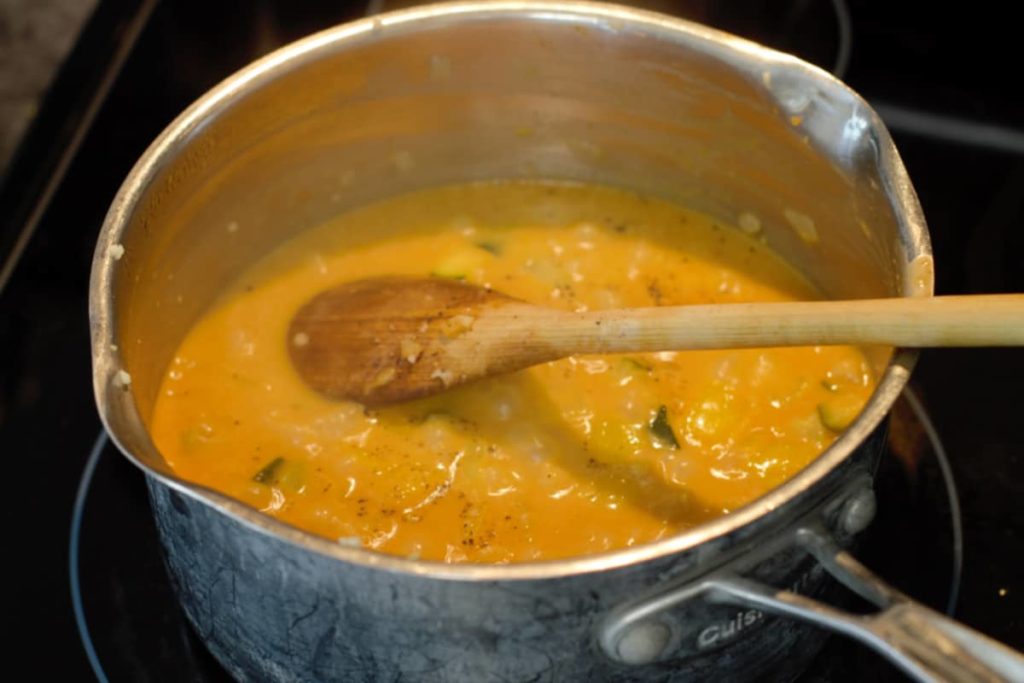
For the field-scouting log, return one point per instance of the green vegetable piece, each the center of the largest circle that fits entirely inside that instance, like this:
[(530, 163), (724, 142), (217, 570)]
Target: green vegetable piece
[(429, 416), (634, 364), (444, 274), (662, 430), (837, 413), (490, 247), (292, 476), (460, 263), (270, 472)]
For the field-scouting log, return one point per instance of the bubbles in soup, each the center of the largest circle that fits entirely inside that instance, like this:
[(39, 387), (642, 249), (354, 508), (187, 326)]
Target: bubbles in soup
[(577, 456)]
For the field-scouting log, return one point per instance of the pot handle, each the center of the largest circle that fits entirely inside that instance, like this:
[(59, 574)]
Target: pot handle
[(925, 644)]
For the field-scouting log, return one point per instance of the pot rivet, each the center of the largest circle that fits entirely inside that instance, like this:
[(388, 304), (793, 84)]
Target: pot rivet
[(643, 643), (858, 511)]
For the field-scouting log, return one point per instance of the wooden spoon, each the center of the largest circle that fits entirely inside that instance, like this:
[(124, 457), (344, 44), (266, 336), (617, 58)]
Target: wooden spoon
[(392, 339)]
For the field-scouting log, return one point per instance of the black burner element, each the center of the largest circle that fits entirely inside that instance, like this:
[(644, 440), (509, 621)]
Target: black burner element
[(952, 61)]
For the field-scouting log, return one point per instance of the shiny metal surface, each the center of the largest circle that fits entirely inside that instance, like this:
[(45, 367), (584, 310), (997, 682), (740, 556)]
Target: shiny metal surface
[(268, 611), (926, 645), (334, 121), (458, 92)]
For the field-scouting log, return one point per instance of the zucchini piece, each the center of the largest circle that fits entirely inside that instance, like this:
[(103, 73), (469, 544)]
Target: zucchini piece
[(282, 473), (270, 472), (490, 247), (661, 430), (636, 365), (460, 264), (293, 476), (837, 413)]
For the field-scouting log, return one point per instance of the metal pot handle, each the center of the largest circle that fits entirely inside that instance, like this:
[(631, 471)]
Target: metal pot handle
[(922, 642)]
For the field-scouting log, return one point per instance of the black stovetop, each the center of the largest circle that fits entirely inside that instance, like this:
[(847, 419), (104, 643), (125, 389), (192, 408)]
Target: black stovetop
[(955, 61)]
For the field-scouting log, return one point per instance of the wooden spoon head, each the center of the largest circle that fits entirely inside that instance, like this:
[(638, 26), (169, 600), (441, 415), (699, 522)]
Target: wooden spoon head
[(391, 339)]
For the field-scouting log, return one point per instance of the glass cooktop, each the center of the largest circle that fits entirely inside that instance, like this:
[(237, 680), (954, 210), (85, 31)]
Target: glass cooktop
[(938, 78)]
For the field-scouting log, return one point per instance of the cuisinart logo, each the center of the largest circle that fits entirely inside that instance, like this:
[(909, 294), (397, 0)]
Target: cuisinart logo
[(724, 631)]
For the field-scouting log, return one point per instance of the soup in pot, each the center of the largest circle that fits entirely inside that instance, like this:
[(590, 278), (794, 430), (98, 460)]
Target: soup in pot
[(572, 457)]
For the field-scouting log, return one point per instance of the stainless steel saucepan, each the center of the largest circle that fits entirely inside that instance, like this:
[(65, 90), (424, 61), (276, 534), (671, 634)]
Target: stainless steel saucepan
[(482, 90)]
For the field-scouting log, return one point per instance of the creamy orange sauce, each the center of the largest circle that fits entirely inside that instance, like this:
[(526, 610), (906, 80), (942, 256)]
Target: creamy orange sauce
[(573, 457)]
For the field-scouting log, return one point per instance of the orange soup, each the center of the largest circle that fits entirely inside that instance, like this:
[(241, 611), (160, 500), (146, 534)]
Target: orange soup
[(578, 456)]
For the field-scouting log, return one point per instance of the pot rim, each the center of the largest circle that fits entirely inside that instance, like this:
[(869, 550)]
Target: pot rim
[(107, 360)]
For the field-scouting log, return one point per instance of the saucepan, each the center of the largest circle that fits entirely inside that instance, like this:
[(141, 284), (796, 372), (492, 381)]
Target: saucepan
[(573, 91)]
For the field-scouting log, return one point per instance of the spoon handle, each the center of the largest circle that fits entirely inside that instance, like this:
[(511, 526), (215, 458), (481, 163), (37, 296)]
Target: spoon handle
[(973, 320)]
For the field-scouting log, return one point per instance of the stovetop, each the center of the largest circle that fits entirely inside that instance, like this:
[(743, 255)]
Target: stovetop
[(939, 77)]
